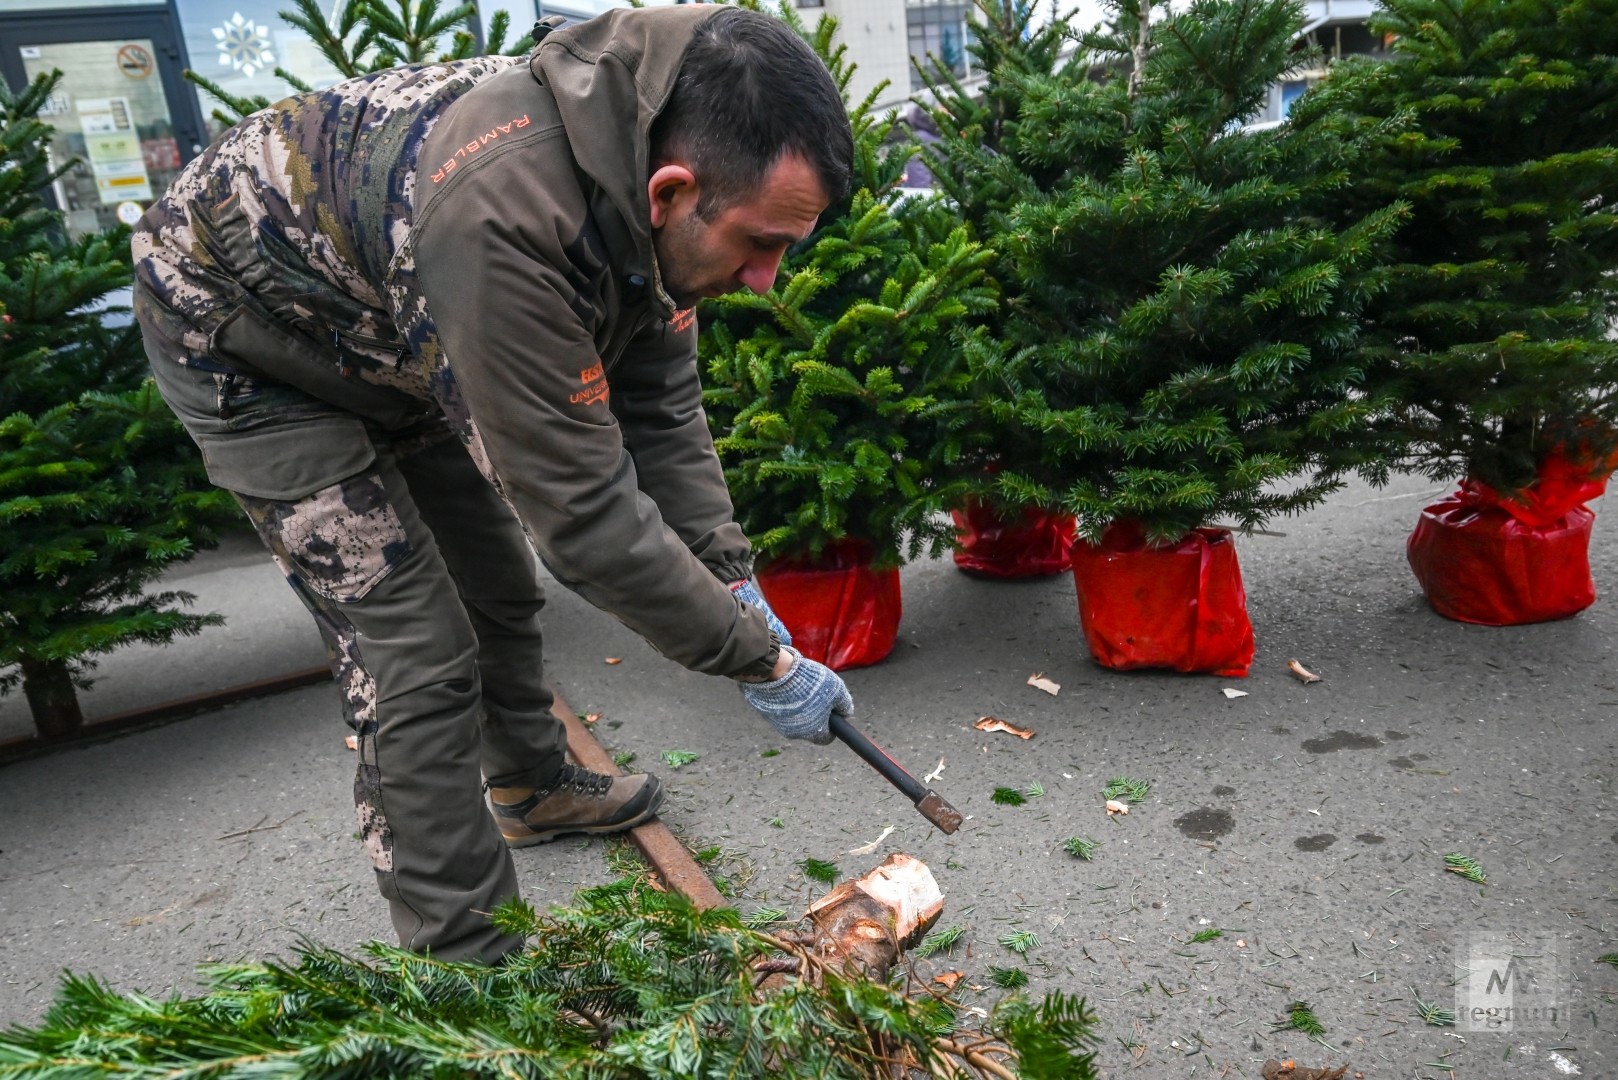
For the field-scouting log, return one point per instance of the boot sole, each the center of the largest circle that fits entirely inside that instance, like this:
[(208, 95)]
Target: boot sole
[(548, 835)]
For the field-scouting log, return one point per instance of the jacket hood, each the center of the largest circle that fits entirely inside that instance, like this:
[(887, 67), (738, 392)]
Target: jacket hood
[(611, 76)]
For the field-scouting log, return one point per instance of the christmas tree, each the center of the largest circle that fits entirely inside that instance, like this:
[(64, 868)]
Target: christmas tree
[(100, 490), (630, 983), (1498, 123), (1180, 342), (841, 399)]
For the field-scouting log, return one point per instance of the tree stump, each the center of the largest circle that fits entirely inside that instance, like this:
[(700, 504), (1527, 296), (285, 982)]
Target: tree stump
[(866, 923)]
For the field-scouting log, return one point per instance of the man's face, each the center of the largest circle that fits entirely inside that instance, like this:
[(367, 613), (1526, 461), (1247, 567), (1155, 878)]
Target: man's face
[(740, 246)]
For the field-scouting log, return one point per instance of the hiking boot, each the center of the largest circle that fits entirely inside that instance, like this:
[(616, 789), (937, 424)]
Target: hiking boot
[(575, 801)]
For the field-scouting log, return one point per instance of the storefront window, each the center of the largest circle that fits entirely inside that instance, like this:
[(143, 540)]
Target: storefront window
[(938, 32), (239, 44)]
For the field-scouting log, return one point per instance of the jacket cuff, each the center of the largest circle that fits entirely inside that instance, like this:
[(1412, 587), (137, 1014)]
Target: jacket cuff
[(762, 669), (726, 553)]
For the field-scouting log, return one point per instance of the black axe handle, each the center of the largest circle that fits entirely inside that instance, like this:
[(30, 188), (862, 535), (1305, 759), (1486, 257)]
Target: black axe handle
[(933, 807)]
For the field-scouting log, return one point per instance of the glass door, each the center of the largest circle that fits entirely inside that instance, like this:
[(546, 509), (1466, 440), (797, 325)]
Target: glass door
[(121, 109)]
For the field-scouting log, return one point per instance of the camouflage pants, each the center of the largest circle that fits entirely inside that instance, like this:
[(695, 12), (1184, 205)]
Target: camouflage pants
[(425, 590)]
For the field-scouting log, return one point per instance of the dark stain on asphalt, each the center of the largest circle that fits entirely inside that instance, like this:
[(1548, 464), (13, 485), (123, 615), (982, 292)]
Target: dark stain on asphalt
[(1318, 842), (1279, 730), (1341, 740), (1205, 824), (1224, 792), (1370, 838), (1407, 762), (1396, 736)]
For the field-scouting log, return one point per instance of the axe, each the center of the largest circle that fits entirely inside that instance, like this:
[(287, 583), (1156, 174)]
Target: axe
[(929, 802)]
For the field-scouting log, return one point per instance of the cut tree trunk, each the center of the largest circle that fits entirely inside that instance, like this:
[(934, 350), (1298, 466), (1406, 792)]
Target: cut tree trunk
[(865, 924), (48, 686)]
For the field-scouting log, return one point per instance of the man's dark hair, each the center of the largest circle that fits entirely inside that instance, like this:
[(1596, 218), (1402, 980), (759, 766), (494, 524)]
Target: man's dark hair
[(749, 90)]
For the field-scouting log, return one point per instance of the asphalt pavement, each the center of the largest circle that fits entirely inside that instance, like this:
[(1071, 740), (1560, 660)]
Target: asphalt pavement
[(1308, 824)]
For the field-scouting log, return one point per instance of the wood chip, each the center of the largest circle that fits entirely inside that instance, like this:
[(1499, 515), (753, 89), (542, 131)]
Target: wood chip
[(1304, 675), (1039, 682), (948, 979), (1231, 692), (935, 774), (994, 723), (614, 660), (1116, 807), (351, 741), (866, 849), (1291, 1070), (591, 718)]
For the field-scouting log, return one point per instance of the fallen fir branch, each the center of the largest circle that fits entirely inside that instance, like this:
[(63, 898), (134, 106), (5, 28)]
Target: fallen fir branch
[(1080, 847), (938, 941), (630, 983), (1301, 1018), (1431, 1014), (1466, 866), (1126, 789)]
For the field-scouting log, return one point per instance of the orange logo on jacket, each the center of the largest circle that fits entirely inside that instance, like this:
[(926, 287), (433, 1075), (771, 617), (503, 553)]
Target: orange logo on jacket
[(594, 379), (683, 319), (479, 143)]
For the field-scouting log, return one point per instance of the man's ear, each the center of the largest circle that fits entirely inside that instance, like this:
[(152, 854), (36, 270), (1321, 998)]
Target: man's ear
[(669, 187)]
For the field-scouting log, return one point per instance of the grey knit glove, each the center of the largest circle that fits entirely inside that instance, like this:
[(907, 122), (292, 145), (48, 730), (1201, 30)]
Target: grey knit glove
[(800, 703), (748, 592)]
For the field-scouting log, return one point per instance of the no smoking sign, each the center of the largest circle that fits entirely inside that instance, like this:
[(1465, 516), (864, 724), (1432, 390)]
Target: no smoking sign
[(135, 61)]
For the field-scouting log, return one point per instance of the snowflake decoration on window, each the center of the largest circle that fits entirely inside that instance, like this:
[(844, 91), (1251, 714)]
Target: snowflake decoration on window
[(243, 45)]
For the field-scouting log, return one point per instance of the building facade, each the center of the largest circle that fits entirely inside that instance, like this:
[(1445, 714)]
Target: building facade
[(125, 110)]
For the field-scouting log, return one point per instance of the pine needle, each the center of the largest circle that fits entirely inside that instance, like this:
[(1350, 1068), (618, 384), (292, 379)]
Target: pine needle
[(1466, 866), (1610, 958), (1020, 941), (1007, 796), (1433, 1015), (1127, 788), (1008, 978), (818, 870), (677, 759), (938, 941), (763, 916), (1080, 847), (1035, 790), (1209, 934), (1300, 1017)]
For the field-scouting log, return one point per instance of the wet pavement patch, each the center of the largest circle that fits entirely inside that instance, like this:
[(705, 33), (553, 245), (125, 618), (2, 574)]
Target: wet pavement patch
[(1396, 736), (1205, 824), (1318, 842), (1341, 740), (1370, 838), (1279, 730), (1408, 762), (1223, 792)]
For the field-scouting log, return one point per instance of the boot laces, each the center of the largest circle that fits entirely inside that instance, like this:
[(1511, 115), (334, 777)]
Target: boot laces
[(583, 781)]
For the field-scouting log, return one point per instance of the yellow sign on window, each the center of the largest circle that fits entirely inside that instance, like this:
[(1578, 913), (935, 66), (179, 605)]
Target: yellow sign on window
[(113, 150)]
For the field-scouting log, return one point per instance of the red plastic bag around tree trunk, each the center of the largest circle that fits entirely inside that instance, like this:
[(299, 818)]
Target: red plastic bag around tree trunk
[(1504, 560), (1038, 543), (839, 611), (1180, 606)]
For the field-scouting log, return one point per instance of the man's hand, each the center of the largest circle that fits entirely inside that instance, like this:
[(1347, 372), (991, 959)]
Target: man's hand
[(801, 702), (746, 591)]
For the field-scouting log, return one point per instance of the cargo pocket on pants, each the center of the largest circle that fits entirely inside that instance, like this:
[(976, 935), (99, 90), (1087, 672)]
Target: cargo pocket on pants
[(345, 538), (309, 490)]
